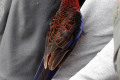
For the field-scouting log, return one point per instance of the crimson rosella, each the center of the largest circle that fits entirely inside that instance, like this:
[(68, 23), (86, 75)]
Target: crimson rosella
[(64, 31)]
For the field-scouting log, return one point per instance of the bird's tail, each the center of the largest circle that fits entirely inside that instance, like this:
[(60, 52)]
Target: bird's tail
[(44, 74)]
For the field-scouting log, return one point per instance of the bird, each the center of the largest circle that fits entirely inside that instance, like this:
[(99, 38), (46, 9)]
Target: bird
[(63, 33)]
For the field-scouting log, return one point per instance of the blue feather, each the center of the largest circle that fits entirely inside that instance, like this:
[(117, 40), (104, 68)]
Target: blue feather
[(45, 73), (80, 32)]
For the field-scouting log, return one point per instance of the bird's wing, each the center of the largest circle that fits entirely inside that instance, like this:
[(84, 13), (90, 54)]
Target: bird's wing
[(60, 37)]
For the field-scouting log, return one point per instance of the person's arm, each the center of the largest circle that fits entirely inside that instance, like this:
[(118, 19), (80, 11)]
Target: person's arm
[(101, 67)]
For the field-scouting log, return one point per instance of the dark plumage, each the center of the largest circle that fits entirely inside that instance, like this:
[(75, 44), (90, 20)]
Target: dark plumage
[(64, 31)]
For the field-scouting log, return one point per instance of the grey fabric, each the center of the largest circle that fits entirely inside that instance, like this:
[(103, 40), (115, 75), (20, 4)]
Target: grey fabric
[(23, 29), (101, 67), (117, 39), (1, 8)]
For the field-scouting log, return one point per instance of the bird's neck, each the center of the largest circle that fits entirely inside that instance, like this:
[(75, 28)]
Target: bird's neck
[(71, 3)]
